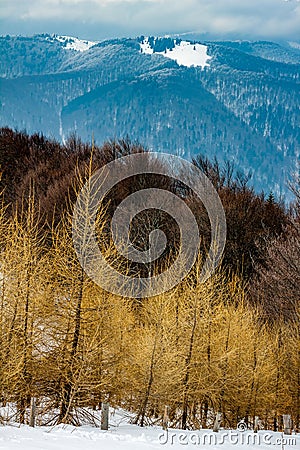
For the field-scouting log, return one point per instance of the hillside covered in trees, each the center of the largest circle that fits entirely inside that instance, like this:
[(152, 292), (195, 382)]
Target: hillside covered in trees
[(242, 103), (228, 345)]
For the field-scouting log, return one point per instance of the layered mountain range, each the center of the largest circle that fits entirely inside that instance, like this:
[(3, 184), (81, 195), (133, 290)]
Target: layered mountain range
[(236, 100)]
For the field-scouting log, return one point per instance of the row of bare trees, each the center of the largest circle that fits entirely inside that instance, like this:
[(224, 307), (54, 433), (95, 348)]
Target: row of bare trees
[(252, 218)]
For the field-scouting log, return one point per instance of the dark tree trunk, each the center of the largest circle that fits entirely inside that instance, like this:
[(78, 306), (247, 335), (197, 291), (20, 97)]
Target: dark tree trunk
[(67, 386)]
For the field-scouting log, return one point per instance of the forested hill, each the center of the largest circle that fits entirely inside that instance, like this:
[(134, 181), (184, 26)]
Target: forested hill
[(235, 100)]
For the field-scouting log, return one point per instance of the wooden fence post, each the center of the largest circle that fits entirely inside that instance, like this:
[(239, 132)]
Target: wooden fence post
[(104, 416), (166, 418), (217, 423), (256, 419), (32, 412), (287, 424)]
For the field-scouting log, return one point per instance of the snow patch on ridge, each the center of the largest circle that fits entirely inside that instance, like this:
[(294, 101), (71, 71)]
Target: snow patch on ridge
[(185, 54), (294, 45), (73, 43)]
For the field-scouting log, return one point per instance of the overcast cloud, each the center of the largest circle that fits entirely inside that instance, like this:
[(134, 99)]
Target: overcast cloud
[(97, 19)]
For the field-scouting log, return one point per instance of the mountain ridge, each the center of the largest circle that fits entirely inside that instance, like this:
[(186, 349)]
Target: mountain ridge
[(240, 106)]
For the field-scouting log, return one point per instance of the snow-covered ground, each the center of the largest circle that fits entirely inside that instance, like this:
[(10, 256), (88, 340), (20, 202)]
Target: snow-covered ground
[(294, 45), (122, 435), (185, 54), (73, 43)]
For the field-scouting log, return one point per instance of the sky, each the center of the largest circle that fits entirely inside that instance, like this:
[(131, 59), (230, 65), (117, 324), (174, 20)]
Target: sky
[(100, 19)]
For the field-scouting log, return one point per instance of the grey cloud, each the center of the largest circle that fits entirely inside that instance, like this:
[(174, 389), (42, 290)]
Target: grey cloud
[(101, 18)]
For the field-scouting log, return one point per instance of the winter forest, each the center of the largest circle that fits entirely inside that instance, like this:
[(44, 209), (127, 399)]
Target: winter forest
[(229, 345)]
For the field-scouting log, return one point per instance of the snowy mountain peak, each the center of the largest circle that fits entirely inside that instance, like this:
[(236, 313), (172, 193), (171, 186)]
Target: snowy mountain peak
[(73, 43), (185, 53)]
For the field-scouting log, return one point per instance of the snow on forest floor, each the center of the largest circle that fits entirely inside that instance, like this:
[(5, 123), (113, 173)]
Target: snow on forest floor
[(185, 54), (122, 435)]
